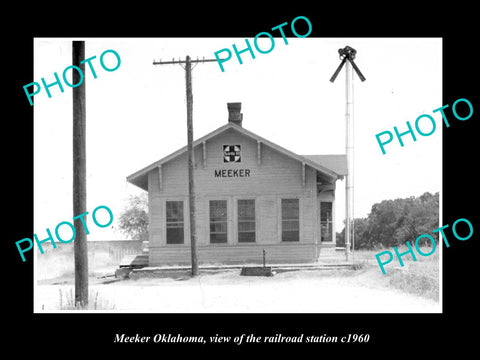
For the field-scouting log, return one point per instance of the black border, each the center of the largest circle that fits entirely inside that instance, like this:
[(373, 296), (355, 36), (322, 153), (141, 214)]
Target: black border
[(401, 333)]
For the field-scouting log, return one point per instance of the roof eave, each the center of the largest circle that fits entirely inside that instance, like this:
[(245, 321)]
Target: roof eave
[(137, 178), (173, 155)]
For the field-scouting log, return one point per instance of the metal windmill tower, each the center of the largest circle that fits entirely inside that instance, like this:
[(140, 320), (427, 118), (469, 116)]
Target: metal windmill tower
[(347, 55)]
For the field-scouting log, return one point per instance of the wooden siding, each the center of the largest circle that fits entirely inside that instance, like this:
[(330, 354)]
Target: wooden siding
[(234, 254), (273, 177)]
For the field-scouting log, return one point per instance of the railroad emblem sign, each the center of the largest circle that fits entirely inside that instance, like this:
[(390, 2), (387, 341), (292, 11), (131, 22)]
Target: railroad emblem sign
[(232, 153)]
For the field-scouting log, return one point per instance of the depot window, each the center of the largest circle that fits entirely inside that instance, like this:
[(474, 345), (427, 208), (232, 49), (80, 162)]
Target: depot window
[(175, 222), (218, 221), (246, 220), (290, 220)]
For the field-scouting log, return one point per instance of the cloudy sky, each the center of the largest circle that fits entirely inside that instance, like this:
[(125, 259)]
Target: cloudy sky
[(137, 114)]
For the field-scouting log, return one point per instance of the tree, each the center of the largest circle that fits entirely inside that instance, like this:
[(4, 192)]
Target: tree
[(361, 239), (420, 216), (394, 222), (133, 221), (362, 236)]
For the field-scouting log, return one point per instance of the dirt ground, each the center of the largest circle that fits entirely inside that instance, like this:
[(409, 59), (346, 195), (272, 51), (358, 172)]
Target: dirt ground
[(308, 291)]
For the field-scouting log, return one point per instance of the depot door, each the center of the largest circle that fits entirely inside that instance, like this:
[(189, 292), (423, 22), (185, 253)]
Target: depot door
[(326, 221)]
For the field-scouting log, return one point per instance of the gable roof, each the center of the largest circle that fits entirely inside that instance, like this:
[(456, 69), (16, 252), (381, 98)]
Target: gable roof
[(333, 166)]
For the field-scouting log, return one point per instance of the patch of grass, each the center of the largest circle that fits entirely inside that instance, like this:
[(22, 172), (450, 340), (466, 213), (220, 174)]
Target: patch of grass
[(359, 265), (67, 302), (420, 277), (415, 282)]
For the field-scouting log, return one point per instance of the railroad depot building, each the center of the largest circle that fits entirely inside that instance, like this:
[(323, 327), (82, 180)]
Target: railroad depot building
[(250, 195)]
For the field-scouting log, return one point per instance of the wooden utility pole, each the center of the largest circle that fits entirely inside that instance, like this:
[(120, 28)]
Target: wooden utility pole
[(347, 55), (191, 185), (79, 175)]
